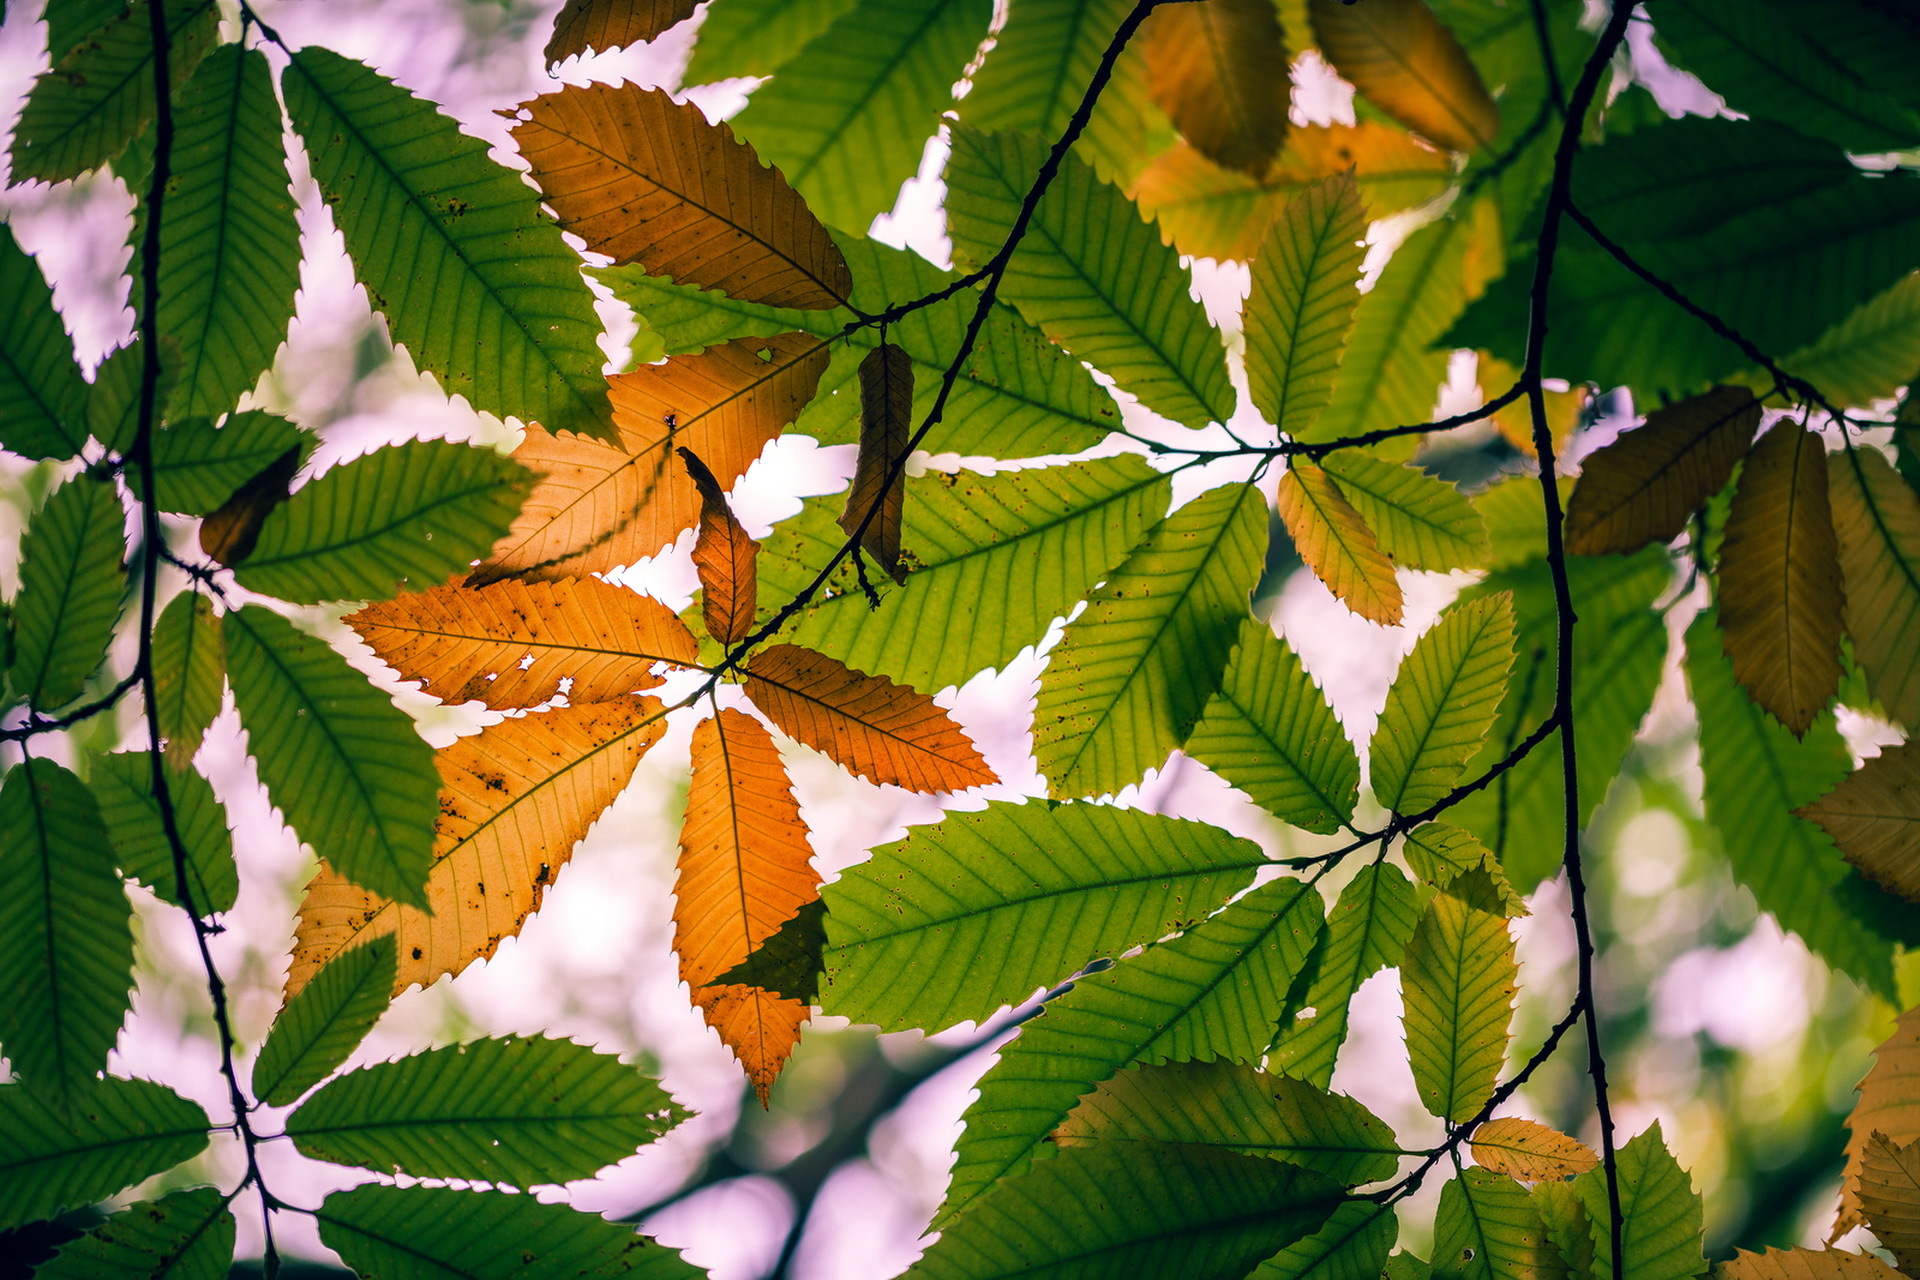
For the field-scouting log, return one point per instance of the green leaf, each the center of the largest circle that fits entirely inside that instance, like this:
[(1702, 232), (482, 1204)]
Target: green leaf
[(1488, 1229), (1868, 356), (1090, 273), (66, 933), (1457, 980), (339, 759), (185, 1236), (1134, 672), (123, 784), (42, 395), (474, 281), (1442, 703), (1270, 732), (432, 1233), (789, 962), (99, 95), (1568, 1227), (116, 1133), (1755, 774), (189, 673), (70, 22), (757, 37), (1166, 1212), (229, 247), (113, 401), (1660, 1231), (71, 581), (405, 517), (846, 121), (512, 1111), (1421, 522), (1442, 855), (325, 1022), (1239, 1108), (1305, 287), (1216, 991), (980, 909), (197, 466), (1367, 931), (1352, 1245)]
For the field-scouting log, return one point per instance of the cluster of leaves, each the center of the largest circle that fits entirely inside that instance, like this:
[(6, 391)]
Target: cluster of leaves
[(1168, 1109)]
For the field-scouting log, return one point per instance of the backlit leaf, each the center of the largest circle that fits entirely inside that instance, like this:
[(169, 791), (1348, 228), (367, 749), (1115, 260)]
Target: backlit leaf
[(198, 466), (1889, 1106), (723, 556), (1488, 1229), (122, 783), (1352, 1245), (1218, 68), (1305, 289), (1457, 980), (1804, 1264), (320, 1028), (1890, 1193), (42, 396), (757, 37), (1401, 59), (1442, 703), (1644, 486), (1874, 816), (1337, 543), (1877, 518), (1367, 931), (71, 582), (1530, 1152), (184, 1236), (1419, 521), (788, 962), (1440, 854), (231, 531), (1660, 1233), (189, 673), (116, 1133), (595, 26), (876, 501)]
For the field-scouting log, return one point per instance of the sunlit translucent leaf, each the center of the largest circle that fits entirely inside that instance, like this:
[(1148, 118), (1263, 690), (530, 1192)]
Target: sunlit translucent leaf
[(1352, 1245), (1644, 486), (980, 909), (229, 534), (317, 1029), (511, 1111), (1419, 521), (197, 466), (1241, 1109), (1090, 273), (1442, 703), (123, 785), (883, 731), (66, 935), (1567, 1224), (788, 962), (584, 26), (1367, 930), (429, 1233), (1134, 672), (514, 800), (642, 178), (475, 284), (1305, 289), (723, 557), (1660, 1235), (1565, 410), (71, 582), (115, 1133), (1271, 733), (189, 673), (875, 501), (42, 396), (1890, 1193), (402, 517), (1868, 356), (745, 868), (1804, 1264), (1530, 1152), (1216, 69), (1488, 1229), (185, 1236), (1164, 1212), (1516, 518), (1458, 983), (1874, 816), (1877, 518), (113, 401), (1889, 1106), (1406, 63), (1440, 854), (1337, 543), (757, 37)]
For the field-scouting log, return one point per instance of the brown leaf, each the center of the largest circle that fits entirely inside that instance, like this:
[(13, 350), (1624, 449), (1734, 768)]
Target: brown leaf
[(1874, 816), (1890, 1193), (1804, 1264), (1219, 69), (1406, 62), (1337, 544), (515, 799), (598, 506), (475, 642), (882, 731), (1780, 597), (1877, 518), (744, 871), (229, 533), (1889, 1105), (886, 424), (723, 556), (600, 25), (1644, 486), (642, 178), (1529, 1152)]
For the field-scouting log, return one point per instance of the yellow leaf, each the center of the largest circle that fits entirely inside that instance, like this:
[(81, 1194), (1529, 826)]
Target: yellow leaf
[(1409, 65), (1804, 1264), (467, 642), (1218, 68), (1565, 409), (1529, 1152), (1890, 1194), (600, 25), (724, 557), (514, 800), (1643, 486), (1874, 816), (1780, 597), (1337, 544), (598, 506), (886, 424), (642, 178), (1877, 518), (1210, 211), (229, 534), (744, 871), (883, 731), (1889, 1105)]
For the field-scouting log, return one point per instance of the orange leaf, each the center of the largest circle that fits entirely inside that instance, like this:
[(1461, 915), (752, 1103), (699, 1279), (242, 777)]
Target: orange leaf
[(1804, 1264), (1515, 421), (601, 25), (886, 424), (882, 731), (1529, 1152), (228, 535), (1406, 62), (1337, 544), (723, 556), (1874, 816), (1219, 69), (514, 800), (645, 179), (1889, 1105), (1643, 486), (1780, 598), (744, 871), (598, 506), (467, 642), (1876, 514), (1890, 1193)]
